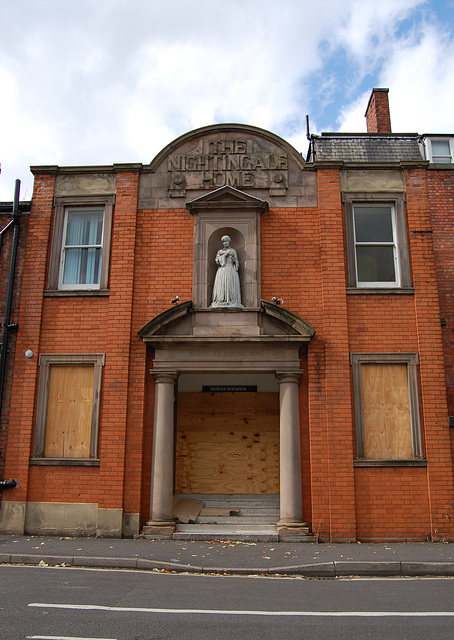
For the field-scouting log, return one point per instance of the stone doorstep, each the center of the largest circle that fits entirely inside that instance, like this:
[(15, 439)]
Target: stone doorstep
[(219, 511), (234, 520), (228, 537)]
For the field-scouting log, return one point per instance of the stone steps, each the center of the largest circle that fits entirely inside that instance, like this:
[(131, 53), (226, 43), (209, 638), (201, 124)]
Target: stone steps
[(249, 533), (253, 518), (247, 518)]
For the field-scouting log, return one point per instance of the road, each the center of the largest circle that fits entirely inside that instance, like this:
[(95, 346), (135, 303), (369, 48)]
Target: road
[(45, 603)]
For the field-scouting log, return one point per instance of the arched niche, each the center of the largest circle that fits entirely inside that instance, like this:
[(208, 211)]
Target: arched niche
[(226, 211)]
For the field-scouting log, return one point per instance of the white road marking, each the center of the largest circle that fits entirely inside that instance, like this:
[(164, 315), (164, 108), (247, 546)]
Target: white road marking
[(64, 638), (240, 612)]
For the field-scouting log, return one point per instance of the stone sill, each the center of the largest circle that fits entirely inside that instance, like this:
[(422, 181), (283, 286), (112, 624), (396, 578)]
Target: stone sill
[(65, 462), (381, 291), (390, 463), (64, 293)]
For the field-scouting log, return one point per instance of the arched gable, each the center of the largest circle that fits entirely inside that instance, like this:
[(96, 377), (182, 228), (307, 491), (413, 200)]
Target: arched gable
[(241, 156)]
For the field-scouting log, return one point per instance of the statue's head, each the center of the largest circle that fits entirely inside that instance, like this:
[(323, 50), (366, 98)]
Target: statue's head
[(225, 240)]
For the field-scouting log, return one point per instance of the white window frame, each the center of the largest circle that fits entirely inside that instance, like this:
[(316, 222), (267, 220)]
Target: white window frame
[(429, 149), (396, 201), (393, 244), (64, 247), (84, 203)]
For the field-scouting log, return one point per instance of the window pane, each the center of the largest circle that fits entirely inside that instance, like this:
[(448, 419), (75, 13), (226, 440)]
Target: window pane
[(373, 224), (375, 264), (441, 148), (84, 227), (82, 247), (386, 413), (69, 412), (82, 266)]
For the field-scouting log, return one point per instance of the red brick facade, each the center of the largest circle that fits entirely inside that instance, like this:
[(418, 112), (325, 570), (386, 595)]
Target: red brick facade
[(303, 259)]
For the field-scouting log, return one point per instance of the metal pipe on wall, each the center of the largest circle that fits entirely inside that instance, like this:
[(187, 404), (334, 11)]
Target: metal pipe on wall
[(7, 326)]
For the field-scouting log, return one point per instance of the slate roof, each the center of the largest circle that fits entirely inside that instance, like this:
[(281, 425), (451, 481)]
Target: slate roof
[(366, 148)]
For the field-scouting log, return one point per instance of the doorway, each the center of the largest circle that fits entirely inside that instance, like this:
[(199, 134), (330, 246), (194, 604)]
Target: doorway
[(227, 443)]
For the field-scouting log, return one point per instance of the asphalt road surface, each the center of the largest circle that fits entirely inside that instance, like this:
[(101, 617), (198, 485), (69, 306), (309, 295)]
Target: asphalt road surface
[(45, 603)]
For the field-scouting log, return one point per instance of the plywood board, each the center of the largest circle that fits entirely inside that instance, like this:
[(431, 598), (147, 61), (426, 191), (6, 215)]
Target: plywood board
[(186, 509), (386, 415), (69, 413), (228, 443)]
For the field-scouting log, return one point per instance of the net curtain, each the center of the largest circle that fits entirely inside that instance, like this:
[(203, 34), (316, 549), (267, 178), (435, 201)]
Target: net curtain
[(82, 248)]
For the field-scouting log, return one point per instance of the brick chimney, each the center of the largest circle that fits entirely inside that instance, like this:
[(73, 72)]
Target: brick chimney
[(377, 112)]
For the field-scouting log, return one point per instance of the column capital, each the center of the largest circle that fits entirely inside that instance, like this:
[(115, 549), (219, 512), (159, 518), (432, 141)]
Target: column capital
[(289, 376), (165, 376)]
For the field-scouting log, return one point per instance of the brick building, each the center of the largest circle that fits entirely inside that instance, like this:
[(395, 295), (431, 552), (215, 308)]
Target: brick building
[(313, 379)]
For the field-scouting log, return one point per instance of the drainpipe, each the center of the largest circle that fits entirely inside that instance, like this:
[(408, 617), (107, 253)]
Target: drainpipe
[(7, 326), (8, 484)]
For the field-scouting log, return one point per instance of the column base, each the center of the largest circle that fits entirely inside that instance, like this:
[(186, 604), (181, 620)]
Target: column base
[(292, 529), (159, 528)]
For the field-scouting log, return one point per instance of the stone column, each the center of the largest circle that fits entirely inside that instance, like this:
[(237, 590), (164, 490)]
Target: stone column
[(291, 500), (161, 521)]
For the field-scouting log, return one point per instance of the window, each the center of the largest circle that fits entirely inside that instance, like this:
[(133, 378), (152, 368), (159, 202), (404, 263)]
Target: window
[(375, 245), (386, 407), (377, 249), (80, 249), (81, 252), (439, 150), (68, 409)]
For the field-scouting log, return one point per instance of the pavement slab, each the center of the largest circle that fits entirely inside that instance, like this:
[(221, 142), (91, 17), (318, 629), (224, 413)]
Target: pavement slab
[(227, 557)]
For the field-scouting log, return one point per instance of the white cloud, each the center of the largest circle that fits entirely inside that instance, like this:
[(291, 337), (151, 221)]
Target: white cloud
[(418, 73), (421, 80), (101, 82)]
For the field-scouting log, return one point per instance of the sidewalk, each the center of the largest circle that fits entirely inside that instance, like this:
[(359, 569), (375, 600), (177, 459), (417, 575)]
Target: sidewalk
[(326, 560)]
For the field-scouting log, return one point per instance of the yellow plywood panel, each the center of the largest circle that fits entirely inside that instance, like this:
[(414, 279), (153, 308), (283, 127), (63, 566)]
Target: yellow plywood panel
[(228, 443), (69, 412), (386, 414)]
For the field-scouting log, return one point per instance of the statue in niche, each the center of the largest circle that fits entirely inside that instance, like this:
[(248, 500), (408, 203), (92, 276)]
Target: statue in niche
[(226, 289)]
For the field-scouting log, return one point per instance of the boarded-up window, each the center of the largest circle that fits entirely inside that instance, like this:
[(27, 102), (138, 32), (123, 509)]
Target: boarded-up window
[(386, 403), (69, 412), (67, 416), (386, 412)]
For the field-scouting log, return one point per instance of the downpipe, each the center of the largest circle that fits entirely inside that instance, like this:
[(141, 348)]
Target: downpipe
[(8, 484), (7, 326)]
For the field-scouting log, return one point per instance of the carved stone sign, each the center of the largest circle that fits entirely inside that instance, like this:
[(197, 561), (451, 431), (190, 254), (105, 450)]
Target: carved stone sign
[(239, 156), (238, 163)]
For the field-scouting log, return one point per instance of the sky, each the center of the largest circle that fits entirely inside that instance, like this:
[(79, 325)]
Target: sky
[(89, 82)]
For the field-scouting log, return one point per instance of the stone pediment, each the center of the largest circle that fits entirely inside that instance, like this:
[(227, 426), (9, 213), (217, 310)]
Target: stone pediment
[(229, 197), (268, 323)]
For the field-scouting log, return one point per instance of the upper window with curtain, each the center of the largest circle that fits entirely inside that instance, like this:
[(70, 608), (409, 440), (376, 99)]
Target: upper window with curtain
[(81, 253), (79, 261)]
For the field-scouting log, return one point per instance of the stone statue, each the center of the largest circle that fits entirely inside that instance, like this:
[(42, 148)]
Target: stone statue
[(226, 289)]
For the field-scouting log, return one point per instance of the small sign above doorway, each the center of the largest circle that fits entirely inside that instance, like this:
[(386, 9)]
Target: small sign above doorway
[(217, 388)]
